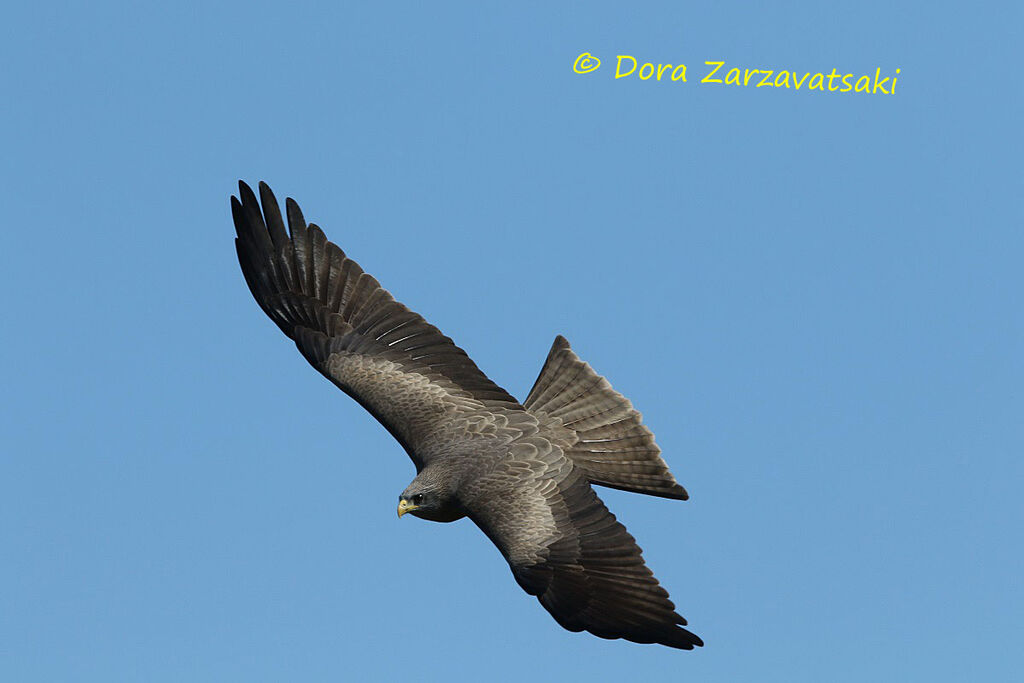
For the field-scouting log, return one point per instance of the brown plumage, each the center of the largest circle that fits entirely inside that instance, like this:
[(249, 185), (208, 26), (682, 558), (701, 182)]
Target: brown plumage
[(522, 472)]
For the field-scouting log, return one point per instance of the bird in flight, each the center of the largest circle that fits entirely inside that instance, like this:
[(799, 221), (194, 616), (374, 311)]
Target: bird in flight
[(523, 472)]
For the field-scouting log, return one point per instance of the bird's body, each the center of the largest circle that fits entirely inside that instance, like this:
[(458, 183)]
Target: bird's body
[(523, 472)]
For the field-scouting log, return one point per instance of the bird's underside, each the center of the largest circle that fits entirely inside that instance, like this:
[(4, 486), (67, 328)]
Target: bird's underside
[(523, 472)]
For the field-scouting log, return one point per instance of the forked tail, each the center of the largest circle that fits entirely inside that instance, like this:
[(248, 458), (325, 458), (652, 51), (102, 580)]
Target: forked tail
[(614, 448)]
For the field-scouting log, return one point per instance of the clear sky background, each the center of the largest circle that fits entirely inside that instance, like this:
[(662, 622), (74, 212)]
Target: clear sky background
[(814, 298)]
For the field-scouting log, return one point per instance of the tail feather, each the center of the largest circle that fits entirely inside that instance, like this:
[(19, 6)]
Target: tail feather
[(614, 448)]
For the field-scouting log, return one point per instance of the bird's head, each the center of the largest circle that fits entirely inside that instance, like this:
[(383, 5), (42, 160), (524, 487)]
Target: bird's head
[(418, 504), (428, 499)]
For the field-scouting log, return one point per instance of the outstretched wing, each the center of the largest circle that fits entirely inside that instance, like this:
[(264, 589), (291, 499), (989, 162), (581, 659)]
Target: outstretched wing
[(411, 377), (566, 548)]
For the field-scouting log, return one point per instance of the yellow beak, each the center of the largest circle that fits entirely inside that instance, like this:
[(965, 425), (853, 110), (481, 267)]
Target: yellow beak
[(405, 506)]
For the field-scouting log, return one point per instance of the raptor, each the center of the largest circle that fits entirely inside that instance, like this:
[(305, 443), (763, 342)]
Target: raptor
[(522, 472)]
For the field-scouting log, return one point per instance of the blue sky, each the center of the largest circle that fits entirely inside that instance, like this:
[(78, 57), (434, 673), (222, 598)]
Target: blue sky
[(814, 299)]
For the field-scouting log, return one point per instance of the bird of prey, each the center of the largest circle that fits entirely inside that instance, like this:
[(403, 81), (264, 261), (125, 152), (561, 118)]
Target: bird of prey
[(523, 472)]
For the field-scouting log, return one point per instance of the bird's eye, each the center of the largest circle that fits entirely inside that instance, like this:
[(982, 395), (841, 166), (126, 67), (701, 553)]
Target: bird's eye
[(417, 499)]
